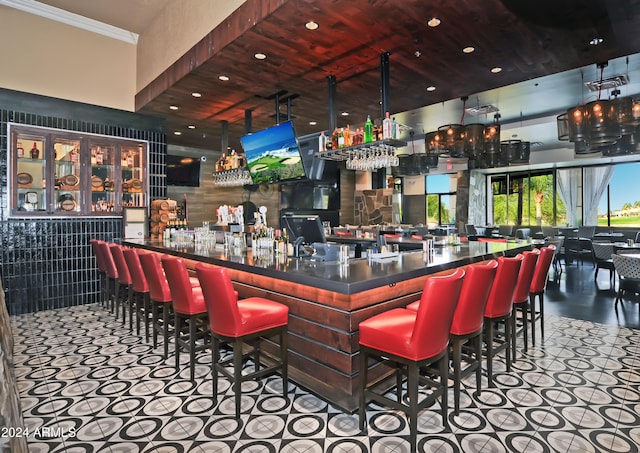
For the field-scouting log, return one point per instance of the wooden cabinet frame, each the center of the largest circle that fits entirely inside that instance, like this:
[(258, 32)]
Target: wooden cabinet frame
[(65, 178)]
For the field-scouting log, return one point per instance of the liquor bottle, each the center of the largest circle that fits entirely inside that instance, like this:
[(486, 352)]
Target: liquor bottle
[(348, 137), (394, 128), (334, 139), (386, 127), (322, 142), (35, 152), (99, 157), (341, 138), (368, 130), (20, 150)]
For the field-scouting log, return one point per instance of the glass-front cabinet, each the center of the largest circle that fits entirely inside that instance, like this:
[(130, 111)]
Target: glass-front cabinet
[(64, 173)]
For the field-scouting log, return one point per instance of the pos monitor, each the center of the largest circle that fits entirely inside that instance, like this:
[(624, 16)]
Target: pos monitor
[(304, 229)]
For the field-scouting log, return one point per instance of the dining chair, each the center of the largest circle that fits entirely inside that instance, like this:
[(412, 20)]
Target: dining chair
[(408, 340), (628, 269), (238, 322), (602, 252)]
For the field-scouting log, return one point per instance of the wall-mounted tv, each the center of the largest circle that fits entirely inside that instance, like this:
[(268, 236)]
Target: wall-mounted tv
[(273, 154), (183, 171)]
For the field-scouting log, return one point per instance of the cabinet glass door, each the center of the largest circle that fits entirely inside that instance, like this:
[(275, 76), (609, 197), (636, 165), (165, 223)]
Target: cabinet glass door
[(103, 177), (31, 173), (67, 160), (132, 165)]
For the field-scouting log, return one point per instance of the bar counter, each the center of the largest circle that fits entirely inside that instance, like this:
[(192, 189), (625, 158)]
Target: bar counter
[(327, 300)]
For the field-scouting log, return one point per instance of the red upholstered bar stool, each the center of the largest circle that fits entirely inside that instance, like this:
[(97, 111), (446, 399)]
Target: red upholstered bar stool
[(189, 310), (160, 296), (111, 273), (466, 327), (538, 285), (236, 322), (499, 310), (140, 287), (124, 284), (102, 270), (521, 298), (408, 340)]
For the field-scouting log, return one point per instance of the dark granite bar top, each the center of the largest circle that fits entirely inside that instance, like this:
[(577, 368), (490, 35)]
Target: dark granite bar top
[(357, 275)]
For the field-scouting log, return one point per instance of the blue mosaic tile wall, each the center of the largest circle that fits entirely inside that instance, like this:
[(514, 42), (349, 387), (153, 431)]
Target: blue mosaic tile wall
[(47, 263)]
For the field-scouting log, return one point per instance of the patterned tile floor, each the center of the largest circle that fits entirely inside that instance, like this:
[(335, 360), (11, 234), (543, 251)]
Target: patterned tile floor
[(88, 385)]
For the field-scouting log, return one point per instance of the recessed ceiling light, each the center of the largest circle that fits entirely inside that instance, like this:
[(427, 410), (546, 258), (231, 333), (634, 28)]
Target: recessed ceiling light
[(434, 22), (311, 25), (417, 53), (595, 41), (259, 56), (224, 78), (431, 88), (496, 70), (345, 114), (195, 94), (468, 49), (173, 107), (177, 133), (191, 126), (313, 123)]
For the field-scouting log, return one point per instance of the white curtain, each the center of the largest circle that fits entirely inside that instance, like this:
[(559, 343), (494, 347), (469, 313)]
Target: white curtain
[(595, 181), (568, 180)]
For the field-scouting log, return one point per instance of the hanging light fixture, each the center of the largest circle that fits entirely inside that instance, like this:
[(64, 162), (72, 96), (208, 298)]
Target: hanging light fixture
[(492, 142), (454, 134), (434, 145)]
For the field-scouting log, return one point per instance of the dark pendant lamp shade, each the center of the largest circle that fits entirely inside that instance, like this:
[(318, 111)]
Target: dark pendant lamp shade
[(582, 149), (509, 151), (453, 136), (625, 145), (563, 126), (602, 123), (474, 140), (576, 123), (492, 145), (624, 115), (434, 147)]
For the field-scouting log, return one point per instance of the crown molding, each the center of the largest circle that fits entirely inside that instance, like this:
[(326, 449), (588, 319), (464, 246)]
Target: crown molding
[(75, 20)]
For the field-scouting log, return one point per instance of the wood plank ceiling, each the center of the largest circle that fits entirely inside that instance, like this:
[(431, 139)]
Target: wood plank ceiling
[(526, 38)]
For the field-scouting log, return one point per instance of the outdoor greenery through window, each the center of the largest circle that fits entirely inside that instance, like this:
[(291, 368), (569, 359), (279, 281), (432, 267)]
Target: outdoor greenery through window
[(620, 203), (526, 198), (441, 200)]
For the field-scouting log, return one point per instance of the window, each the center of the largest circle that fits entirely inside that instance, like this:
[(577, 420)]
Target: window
[(620, 204), (441, 199), (526, 198)]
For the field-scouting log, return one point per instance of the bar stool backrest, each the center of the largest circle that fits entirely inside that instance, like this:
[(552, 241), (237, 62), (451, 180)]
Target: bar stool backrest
[(539, 280), (179, 284), (140, 284), (124, 276), (110, 264), (469, 314), (439, 299), (221, 299), (158, 286), (500, 300), (528, 267), (97, 251)]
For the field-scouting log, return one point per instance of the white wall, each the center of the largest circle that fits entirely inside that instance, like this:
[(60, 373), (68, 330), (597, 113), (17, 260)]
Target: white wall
[(45, 57)]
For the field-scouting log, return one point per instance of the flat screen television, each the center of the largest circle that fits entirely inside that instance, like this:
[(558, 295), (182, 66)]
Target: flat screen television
[(273, 154), (183, 171), (305, 229)]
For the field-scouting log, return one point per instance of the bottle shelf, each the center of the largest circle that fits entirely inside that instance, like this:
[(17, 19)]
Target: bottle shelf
[(342, 154)]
